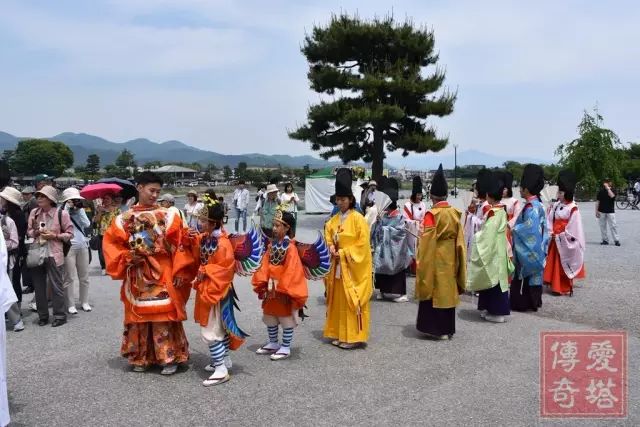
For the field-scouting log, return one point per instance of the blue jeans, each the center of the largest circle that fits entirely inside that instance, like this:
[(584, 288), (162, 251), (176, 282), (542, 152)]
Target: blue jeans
[(241, 213)]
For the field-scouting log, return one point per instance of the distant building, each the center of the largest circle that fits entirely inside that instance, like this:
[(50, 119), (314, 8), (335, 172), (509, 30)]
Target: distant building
[(176, 172)]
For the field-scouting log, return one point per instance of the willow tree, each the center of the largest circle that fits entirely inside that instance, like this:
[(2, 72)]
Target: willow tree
[(594, 155), (383, 84)]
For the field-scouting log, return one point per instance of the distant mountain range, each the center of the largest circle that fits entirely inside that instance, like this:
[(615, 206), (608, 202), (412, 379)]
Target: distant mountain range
[(468, 157), (145, 151)]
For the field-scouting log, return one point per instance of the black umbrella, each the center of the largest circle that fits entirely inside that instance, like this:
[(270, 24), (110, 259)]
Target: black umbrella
[(128, 188)]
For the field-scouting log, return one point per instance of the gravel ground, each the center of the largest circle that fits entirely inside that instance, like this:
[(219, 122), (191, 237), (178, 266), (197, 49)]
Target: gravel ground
[(487, 375)]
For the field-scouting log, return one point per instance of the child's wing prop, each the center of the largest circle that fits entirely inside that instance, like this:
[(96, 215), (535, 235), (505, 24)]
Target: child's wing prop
[(248, 250), (315, 258)]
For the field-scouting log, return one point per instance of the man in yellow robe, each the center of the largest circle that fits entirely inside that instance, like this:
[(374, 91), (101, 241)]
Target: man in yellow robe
[(349, 283), (441, 266)]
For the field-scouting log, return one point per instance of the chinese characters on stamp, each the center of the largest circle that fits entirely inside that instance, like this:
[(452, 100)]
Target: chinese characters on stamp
[(583, 374)]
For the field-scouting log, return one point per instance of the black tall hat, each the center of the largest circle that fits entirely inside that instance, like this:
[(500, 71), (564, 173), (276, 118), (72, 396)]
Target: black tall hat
[(5, 174), (532, 178), (416, 186), (439, 187), (567, 181), (508, 180), (495, 184), (343, 182), (483, 181), (391, 189)]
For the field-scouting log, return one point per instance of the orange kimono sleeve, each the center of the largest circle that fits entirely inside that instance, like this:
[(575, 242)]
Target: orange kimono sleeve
[(293, 282), (116, 250), (260, 278), (186, 257), (219, 272)]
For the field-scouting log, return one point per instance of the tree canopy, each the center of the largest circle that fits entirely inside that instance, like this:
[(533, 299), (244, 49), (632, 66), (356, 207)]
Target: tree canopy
[(34, 156), (383, 95), (594, 155)]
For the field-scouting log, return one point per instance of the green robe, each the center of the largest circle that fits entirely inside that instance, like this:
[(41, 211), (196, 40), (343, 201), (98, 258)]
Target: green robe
[(441, 270), (490, 262)]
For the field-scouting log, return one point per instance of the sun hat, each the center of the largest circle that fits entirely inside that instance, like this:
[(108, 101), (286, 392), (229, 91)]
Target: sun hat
[(49, 192), (12, 195), (42, 177), (271, 188), (71, 193), (28, 190), (167, 198)]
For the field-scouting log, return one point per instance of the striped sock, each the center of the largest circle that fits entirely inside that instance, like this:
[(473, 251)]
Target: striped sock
[(226, 344), (216, 350), (287, 337), (273, 333)]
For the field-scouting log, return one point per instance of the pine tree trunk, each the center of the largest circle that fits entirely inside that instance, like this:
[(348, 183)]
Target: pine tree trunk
[(377, 159)]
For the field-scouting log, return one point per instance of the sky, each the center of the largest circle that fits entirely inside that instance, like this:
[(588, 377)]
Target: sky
[(228, 76)]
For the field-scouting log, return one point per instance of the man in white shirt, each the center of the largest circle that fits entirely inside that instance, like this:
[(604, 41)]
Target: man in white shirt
[(240, 204), (636, 191)]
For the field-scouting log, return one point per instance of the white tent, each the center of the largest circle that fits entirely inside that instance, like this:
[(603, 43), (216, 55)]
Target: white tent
[(319, 188)]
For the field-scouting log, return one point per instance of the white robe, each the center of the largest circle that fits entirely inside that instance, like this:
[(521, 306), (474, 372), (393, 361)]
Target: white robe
[(7, 298)]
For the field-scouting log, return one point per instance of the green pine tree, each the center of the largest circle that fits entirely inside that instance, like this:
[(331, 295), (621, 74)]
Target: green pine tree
[(382, 93)]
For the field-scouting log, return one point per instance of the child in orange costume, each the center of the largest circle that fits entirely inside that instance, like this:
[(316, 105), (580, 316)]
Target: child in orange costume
[(214, 291), (281, 284)]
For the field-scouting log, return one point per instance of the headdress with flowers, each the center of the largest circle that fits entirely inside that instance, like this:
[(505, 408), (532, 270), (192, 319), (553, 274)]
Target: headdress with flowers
[(207, 202)]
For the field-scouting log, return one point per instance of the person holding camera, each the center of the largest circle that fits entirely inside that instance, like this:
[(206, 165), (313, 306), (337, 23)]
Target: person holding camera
[(76, 263), (605, 212), (49, 227)]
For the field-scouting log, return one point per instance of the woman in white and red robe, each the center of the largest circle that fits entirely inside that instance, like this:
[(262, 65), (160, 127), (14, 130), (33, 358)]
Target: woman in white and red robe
[(565, 260)]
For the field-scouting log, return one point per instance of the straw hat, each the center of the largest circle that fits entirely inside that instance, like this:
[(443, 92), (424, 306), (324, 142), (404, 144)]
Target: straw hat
[(71, 194), (49, 192), (12, 195)]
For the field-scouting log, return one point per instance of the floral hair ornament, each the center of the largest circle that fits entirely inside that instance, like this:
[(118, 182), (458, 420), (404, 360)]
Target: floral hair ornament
[(207, 202)]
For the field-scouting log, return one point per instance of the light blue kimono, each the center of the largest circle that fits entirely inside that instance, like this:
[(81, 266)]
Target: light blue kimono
[(531, 242)]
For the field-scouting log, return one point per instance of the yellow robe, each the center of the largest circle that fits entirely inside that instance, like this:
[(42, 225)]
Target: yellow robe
[(441, 272), (349, 286)]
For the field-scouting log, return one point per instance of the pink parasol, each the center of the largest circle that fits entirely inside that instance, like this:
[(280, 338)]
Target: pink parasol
[(99, 190)]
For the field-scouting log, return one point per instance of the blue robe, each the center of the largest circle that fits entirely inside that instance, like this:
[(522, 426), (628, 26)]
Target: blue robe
[(531, 242)]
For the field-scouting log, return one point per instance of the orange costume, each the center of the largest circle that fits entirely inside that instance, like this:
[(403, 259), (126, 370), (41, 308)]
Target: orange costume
[(281, 284), (215, 291), (143, 248)]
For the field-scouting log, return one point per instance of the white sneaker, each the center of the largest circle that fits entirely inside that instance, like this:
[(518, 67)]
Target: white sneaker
[(104, 272), (33, 306), (483, 313), (379, 296), (221, 375), (494, 319), (268, 348), (401, 298), (86, 307), (18, 326), (73, 310)]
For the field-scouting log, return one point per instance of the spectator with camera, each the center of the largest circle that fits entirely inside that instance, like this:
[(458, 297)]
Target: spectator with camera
[(76, 263)]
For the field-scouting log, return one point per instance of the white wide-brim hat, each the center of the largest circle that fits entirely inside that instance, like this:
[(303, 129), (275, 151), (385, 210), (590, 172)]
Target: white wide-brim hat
[(271, 188), (12, 195), (71, 194)]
